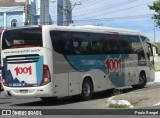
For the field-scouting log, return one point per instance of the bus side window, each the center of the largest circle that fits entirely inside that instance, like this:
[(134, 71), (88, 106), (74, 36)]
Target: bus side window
[(81, 42), (97, 43), (137, 48), (111, 44)]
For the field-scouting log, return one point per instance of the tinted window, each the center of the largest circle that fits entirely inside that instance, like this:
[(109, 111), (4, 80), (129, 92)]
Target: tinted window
[(124, 46), (70, 42), (19, 38), (62, 42), (97, 43), (111, 43), (66, 42), (137, 48), (81, 42), (148, 49)]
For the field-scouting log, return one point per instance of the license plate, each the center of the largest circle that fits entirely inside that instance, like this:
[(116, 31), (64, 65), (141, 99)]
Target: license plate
[(23, 91)]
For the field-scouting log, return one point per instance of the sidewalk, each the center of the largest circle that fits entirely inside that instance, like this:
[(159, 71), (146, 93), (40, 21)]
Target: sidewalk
[(141, 98)]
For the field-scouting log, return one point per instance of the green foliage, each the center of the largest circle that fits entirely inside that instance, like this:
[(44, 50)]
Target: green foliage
[(158, 44), (116, 106), (156, 8)]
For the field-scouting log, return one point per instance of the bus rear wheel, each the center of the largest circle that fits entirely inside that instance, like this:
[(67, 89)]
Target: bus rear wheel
[(87, 90), (142, 81)]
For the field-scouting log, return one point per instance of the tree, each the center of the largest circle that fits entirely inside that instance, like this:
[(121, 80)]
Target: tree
[(156, 8)]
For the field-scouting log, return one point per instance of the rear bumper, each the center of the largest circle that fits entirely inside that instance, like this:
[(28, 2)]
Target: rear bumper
[(29, 92)]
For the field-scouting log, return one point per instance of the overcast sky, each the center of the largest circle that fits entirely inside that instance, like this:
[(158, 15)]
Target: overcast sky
[(130, 14)]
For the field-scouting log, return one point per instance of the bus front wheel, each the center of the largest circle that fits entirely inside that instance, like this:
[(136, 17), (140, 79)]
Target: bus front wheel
[(87, 90), (142, 81)]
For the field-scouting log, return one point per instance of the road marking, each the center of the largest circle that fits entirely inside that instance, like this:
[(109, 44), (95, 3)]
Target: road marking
[(157, 104)]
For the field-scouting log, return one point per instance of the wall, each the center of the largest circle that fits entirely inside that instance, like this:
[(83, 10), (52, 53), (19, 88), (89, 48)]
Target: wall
[(11, 13), (15, 15)]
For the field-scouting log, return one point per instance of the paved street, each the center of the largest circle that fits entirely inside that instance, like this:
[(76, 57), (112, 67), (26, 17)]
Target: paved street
[(97, 102)]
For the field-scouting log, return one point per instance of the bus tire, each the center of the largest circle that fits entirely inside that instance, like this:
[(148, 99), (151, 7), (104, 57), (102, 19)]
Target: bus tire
[(49, 99), (87, 90), (142, 81)]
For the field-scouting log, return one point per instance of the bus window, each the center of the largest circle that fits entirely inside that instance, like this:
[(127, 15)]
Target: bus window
[(62, 42), (20, 38), (137, 48), (81, 42), (111, 42), (123, 45), (97, 43), (70, 43), (150, 53)]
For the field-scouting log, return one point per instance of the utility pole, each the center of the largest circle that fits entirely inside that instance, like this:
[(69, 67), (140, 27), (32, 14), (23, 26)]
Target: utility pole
[(45, 11), (26, 12), (67, 12), (154, 31)]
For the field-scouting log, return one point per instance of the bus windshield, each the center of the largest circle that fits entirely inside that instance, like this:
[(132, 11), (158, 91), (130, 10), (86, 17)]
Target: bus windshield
[(21, 38)]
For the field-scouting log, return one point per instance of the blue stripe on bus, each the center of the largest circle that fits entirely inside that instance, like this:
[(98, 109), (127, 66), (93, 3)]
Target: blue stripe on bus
[(8, 75), (14, 82), (39, 70), (84, 63)]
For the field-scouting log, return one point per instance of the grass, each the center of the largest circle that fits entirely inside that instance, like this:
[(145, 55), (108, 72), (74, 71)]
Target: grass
[(116, 106)]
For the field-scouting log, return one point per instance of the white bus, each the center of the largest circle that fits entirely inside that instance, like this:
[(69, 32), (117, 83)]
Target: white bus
[(57, 61)]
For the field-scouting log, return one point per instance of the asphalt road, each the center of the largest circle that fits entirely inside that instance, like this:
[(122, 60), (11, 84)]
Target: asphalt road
[(97, 102)]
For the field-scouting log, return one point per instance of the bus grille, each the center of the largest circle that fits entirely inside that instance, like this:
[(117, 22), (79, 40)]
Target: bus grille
[(15, 59)]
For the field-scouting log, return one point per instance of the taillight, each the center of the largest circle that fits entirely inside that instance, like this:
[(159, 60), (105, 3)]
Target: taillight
[(46, 76), (40, 26), (4, 78)]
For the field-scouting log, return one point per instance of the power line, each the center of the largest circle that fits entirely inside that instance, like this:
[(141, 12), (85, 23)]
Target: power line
[(108, 7), (114, 18), (117, 18), (83, 11), (118, 10)]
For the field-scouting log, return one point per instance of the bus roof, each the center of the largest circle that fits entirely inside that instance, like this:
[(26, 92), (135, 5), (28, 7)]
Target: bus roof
[(88, 28), (101, 29)]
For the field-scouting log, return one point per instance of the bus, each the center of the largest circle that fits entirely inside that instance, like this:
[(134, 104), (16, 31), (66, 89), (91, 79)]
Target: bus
[(50, 61)]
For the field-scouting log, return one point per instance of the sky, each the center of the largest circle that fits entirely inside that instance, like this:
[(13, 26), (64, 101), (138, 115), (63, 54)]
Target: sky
[(128, 14)]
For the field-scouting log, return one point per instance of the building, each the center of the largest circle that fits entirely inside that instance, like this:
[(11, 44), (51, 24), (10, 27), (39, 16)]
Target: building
[(11, 13), (16, 13)]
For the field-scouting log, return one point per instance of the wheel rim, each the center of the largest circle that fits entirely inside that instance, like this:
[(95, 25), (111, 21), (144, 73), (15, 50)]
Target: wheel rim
[(87, 89)]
